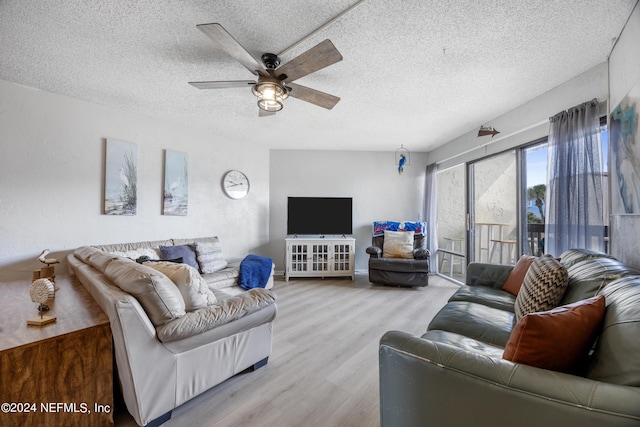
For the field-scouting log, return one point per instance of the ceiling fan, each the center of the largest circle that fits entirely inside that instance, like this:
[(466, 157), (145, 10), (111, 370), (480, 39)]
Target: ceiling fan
[(275, 82)]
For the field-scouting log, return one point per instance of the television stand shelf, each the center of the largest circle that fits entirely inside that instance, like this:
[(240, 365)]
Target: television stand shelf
[(330, 256)]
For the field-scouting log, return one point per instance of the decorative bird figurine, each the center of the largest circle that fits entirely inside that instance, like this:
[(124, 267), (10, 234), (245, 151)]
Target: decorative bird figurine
[(48, 261), (403, 160)]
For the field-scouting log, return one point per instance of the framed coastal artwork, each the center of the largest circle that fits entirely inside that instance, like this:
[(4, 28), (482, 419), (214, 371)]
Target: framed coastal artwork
[(121, 176), (175, 199), (625, 154)]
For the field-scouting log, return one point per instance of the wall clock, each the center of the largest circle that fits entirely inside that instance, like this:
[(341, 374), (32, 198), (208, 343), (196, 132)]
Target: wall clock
[(235, 184)]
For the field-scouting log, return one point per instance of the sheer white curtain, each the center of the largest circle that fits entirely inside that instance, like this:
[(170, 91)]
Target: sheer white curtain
[(575, 217), (431, 216)]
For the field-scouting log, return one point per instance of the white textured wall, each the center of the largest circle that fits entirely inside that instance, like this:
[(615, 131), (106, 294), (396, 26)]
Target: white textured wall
[(51, 178), (526, 123), (378, 192), (624, 74)]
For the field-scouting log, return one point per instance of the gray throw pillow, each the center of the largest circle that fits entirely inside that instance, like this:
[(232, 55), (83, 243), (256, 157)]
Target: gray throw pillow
[(210, 257), (186, 252)]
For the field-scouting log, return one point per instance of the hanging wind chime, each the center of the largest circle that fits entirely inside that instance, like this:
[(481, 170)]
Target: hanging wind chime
[(403, 158)]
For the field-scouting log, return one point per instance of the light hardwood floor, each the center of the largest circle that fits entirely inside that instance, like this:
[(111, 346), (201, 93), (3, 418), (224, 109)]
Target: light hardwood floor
[(323, 370)]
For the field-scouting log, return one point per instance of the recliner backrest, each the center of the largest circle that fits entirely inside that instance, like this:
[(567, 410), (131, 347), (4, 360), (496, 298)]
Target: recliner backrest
[(419, 241)]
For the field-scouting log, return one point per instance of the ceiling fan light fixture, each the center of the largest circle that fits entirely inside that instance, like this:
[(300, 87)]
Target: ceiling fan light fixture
[(270, 95)]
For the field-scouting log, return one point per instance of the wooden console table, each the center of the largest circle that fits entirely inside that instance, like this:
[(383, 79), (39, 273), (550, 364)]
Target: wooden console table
[(59, 374)]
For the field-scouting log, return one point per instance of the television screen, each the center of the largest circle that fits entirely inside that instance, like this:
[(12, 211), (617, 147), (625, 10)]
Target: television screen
[(319, 215)]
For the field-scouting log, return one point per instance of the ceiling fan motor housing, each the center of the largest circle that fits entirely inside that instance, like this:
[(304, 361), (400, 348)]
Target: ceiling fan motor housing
[(270, 61)]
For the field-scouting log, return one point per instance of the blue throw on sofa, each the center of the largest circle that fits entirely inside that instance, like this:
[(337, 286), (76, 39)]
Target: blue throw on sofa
[(254, 271)]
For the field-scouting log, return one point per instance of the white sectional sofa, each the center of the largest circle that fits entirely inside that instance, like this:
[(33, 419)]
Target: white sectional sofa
[(170, 347)]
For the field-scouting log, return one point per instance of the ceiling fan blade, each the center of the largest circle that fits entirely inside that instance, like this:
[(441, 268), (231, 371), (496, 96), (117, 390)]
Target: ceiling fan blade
[(313, 96), (263, 113), (222, 84), (219, 35), (318, 57)]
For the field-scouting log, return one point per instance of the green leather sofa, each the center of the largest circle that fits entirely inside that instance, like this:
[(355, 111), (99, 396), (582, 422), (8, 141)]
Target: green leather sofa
[(454, 374)]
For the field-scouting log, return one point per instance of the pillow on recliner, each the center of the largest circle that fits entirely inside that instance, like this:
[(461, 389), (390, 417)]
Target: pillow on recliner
[(398, 244)]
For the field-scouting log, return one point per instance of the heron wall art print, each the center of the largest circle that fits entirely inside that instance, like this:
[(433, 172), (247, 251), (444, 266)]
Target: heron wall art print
[(176, 183), (121, 175)]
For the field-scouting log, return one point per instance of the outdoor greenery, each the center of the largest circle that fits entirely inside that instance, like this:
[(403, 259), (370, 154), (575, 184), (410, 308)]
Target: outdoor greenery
[(537, 193)]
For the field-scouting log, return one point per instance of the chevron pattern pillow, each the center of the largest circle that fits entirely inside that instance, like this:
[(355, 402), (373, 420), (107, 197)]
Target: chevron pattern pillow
[(542, 288)]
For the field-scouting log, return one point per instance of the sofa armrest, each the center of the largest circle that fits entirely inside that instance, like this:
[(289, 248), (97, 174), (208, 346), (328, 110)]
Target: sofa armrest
[(374, 251), (424, 382), (492, 275)]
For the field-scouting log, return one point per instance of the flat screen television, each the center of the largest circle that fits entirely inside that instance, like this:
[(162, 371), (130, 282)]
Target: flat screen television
[(319, 215)]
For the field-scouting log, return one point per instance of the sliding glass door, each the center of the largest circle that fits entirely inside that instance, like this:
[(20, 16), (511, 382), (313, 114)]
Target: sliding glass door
[(493, 209), (533, 190), (451, 222)]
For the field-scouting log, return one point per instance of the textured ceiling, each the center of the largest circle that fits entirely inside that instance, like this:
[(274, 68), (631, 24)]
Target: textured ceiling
[(417, 72)]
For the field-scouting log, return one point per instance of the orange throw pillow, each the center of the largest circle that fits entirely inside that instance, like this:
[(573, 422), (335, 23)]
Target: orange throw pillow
[(516, 277), (558, 339)]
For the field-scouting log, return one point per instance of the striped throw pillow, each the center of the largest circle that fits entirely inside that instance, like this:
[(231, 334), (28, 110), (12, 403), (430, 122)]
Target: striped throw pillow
[(210, 257), (542, 288)]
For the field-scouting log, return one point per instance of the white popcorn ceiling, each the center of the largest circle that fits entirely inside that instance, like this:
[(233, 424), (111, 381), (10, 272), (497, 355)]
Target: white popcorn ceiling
[(417, 72)]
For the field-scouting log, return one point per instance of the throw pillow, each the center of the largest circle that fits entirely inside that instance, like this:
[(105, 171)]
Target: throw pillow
[(397, 244), (186, 252), (193, 288), (210, 257), (155, 292), (137, 253), (516, 277), (542, 288), (558, 339)]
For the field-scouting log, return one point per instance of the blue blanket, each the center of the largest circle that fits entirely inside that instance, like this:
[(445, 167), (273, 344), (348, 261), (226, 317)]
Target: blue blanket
[(254, 271)]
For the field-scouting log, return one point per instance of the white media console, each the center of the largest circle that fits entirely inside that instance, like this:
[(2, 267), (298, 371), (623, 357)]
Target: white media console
[(316, 256)]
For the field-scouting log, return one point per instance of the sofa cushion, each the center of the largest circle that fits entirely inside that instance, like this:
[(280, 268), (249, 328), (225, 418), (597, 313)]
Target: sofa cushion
[(615, 359), (209, 257), (223, 278), (84, 252), (157, 294), (100, 260), (186, 252), (589, 276), (192, 287), (465, 343), (228, 310), (138, 253), (572, 256), (132, 246), (488, 275), (558, 339), (485, 295), (398, 244), (543, 286), (487, 324), (516, 277)]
